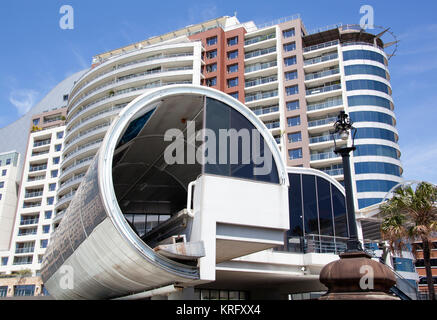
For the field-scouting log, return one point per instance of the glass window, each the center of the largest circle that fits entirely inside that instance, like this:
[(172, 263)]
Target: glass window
[(60, 134), (233, 68), (35, 122), (367, 202), (290, 46), (241, 162), (365, 69), (288, 33), (292, 90), (377, 167), (376, 150), (234, 95), (46, 229), (375, 133), (295, 206), (363, 55), (52, 186), (4, 171), (232, 54), (339, 209), (211, 82), (295, 154), (233, 41), (403, 264), (2, 184), (290, 61), (375, 185), (1, 196), (56, 160), (294, 137), (50, 200), (291, 75), (211, 67), (44, 243), (367, 85), (24, 290), (211, 54), (48, 214), (8, 161), (325, 207), (54, 173), (293, 121), (211, 41), (371, 116), (293, 105), (310, 204), (58, 147), (232, 82), (65, 97), (366, 100), (4, 261)]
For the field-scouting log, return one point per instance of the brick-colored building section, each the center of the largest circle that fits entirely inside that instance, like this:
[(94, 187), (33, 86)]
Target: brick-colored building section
[(421, 270)]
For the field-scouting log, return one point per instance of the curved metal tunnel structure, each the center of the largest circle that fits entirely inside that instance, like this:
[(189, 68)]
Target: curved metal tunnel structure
[(144, 218)]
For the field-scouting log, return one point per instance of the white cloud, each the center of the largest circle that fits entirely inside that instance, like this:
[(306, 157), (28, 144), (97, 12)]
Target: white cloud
[(23, 99)]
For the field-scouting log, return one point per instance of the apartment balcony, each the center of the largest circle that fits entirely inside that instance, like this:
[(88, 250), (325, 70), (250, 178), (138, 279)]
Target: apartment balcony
[(86, 135), (274, 126), (318, 49), (261, 41), (267, 113), (24, 250), (321, 62), (25, 222), (325, 141), (33, 194), (262, 98), (261, 55), (332, 105), (335, 173), (323, 92), (40, 153), (265, 83), (318, 78), (261, 69), (41, 143), (72, 182), (37, 168), (59, 216), (29, 205), (324, 159), (65, 199), (321, 125)]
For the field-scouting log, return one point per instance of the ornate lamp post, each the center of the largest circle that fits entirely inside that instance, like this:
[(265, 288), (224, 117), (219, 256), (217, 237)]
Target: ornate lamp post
[(355, 276)]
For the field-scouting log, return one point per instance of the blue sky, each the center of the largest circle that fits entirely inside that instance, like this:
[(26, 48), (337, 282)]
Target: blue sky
[(36, 53)]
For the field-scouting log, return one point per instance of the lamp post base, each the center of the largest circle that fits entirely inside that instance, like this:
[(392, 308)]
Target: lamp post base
[(357, 277)]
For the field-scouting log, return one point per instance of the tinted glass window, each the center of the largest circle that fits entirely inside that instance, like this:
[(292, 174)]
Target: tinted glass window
[(371, 116), (310, 204), (325, 207), (375, 133), (295, 206), (339, 206), (366, 100), (367, 85), (363, 54), (365, 69), (376, 150), (220, 116)]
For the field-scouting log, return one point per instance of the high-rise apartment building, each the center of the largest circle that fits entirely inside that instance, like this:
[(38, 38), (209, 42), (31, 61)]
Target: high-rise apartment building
[(295, 81)]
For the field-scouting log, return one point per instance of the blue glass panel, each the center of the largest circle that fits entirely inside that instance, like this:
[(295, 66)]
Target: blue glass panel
[(135, 127)]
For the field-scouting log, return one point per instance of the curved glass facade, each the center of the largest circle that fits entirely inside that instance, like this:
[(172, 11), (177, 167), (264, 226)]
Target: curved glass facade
[(366, 202), (318, 221), (375, 133), (375, 185), (371, 116), (377, 167), (363, 55), (365, 69), (364, 84), (367, 100), (376, 150)]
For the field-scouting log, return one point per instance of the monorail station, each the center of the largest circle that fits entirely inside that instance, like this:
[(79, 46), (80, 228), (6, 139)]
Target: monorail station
[(234, 221)]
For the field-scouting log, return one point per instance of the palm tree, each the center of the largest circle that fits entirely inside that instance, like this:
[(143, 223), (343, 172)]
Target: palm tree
[(411, 215)]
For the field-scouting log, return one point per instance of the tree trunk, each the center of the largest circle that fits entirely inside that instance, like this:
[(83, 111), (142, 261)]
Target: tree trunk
[(427, 260)]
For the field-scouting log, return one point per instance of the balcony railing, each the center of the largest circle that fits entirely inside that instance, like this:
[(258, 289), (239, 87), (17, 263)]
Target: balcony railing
[(31, 205), (334, 172), (29, 221), (89, 144), (259, 38), (37, 178), (77, 177), (321, 122), (38, 168), (33, 194), (261, 95), (36, 153), (324, 156), (323, 58), (259, 52), (323, 89), (314, 244), (272, 124), (324, 138), (41, 143), (260, 81), (261, 66), (261, 111), (321, 46), (83, 133), (325, 104), (322, 74), (25, 250), (27, 232)]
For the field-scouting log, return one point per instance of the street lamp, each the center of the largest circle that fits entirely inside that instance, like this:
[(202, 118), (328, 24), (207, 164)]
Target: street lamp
[(343, 277), (342, 127)]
